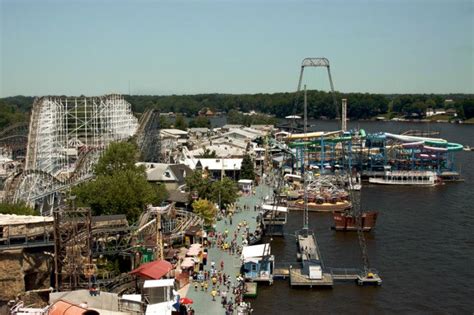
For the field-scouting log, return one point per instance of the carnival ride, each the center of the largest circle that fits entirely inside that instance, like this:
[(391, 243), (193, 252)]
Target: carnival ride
[(66, 136)]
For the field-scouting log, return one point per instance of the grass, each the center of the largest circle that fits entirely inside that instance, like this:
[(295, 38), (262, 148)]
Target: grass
[(440, 117)]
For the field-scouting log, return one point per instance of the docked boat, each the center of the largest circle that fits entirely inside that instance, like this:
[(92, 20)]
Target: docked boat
[(417, 178), (322, 206), (346, 221)]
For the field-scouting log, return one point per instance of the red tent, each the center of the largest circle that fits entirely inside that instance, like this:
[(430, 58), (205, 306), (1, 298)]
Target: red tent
[(153, 270)]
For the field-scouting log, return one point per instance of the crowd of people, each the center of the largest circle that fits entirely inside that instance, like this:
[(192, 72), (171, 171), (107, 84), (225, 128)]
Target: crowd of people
[(212, 279)]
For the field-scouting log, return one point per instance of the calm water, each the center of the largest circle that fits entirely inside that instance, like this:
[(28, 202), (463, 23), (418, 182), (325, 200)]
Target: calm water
[(423, 245)]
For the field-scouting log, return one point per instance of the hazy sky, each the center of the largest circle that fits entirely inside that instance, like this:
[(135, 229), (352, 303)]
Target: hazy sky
[(93, 47)]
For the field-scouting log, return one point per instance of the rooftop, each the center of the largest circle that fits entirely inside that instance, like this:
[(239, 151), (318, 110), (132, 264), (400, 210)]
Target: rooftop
[(7, 219)]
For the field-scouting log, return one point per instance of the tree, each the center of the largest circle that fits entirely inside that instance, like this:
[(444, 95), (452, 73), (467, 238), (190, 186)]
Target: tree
[(247, 169), (19, 208), (200, 184), (119, 156), (120, 187), (224, 192), (208, 154), (180, 123), (206, 209), (161, 194), (200, 122), (164, 123)]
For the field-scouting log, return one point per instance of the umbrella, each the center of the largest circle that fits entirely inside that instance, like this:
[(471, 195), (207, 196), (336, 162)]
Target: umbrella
[(185, 300)]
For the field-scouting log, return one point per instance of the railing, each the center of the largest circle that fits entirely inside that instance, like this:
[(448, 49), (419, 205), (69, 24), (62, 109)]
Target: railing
[(22, 241), (345, 273)]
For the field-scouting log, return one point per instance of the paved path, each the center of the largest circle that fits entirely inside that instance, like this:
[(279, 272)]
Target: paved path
[(203, 303)]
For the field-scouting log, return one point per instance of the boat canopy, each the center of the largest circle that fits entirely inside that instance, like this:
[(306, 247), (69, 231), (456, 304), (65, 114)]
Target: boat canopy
[(267, 207)]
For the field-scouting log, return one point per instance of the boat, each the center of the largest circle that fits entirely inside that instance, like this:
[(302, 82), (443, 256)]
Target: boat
[(417, 178), (346, 221), (322, 206)]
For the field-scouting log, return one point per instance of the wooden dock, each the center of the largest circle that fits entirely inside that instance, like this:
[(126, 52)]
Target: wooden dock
[(308, 248), (281, 273), (297, 278), (312, 272), (250, 289)]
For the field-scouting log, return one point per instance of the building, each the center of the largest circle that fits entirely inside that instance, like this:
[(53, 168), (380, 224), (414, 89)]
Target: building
[(172, 175), (217, 168), (257, 263), (437, 111), (224, 150)]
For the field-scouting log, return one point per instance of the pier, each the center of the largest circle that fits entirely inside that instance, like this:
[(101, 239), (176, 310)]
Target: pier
[(312, 272)]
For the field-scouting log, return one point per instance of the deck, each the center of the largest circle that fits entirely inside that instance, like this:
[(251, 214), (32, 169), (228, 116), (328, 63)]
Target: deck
[(308, 248), (297, 278)]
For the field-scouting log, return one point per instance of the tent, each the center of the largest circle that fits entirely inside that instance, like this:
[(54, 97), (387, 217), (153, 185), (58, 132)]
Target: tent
[(153, 270)]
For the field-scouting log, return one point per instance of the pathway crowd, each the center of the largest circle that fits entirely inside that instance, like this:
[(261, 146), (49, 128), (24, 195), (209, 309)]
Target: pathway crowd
[(219, 279)]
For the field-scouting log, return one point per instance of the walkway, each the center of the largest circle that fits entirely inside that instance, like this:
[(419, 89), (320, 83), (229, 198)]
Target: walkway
[(203, 303)]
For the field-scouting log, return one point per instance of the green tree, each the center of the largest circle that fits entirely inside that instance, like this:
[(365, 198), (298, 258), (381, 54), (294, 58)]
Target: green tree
[(180, 123), (161, 194), (19, 208), (208, 154), (206, 209), (164, 123), (200, 122), (119, 156), (247, 169), (200, 184), (224, 191), (120, 187)]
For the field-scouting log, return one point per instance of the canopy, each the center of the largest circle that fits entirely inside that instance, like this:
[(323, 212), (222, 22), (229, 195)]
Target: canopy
[(255, 251), (274, 208), (188, 262), (185, 300), (194, 250), (158, 283), (153, 270), (61, 307)]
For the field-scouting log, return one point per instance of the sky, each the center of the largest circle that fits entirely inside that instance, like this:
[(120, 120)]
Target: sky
[(94, 47)]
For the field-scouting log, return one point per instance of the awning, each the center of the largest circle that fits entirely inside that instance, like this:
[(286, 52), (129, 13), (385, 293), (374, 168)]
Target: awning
[(158, 283), (194, 250), (188, 262), (61, 307), (274, 208), (255, 251), (153, 270)]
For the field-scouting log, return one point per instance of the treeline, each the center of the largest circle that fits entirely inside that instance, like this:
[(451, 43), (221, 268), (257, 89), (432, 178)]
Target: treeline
[(14, 110), (320, 104)]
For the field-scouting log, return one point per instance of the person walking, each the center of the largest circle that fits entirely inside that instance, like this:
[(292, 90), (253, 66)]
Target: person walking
[(213, 294)]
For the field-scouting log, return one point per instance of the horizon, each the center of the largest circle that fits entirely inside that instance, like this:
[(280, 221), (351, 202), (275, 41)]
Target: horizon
[(164, 48)]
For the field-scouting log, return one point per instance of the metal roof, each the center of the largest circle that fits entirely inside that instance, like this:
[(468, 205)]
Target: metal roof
[(158, 283)]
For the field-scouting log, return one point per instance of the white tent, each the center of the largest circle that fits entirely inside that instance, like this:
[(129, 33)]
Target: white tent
[(255, 251)]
